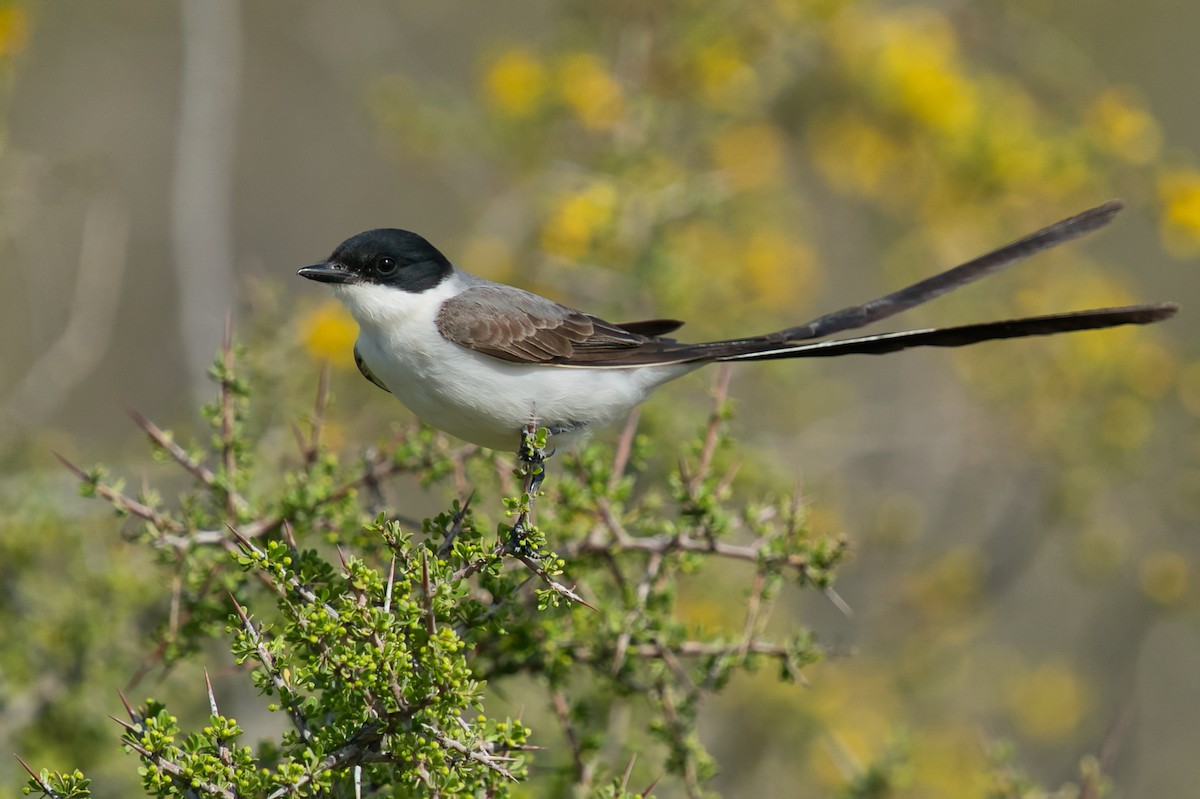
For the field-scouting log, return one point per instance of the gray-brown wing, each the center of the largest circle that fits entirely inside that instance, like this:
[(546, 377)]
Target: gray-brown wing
[(366, 370), (521, 327)]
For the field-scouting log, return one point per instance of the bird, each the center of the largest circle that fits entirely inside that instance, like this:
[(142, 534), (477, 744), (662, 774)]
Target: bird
[(485, 362)]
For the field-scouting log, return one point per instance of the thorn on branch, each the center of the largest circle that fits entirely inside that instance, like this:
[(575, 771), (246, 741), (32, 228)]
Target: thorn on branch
[(212, 697), (169, 446), (163, 524), (391, 582), (133, 715), (45, 786), (455, 527), (427, 595)]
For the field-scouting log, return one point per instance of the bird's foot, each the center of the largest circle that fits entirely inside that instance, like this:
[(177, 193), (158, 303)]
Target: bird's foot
[(531, 458), (524, 540), (531, 469)]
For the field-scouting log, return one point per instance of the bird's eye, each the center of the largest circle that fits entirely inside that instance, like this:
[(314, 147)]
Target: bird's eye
[(387, 266)]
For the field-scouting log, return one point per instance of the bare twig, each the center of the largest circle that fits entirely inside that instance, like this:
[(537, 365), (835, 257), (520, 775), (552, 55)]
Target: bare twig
[(1114, 737), (318, 419), (122, 502), (359, 749), (684, 543), (176, 605), (677, 730), (712, 432), (628, 772), (563, 712), (477, 565), (653, 566), (455, 527), (169, 446), (753, 608), (691, 649), (624, 449), (228, 448)]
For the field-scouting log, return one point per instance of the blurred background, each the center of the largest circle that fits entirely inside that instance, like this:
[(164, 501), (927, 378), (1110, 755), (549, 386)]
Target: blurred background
[(1023, 513)]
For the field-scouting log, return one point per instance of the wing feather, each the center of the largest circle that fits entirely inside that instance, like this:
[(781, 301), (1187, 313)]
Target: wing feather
[(521, 327), (366, 370)]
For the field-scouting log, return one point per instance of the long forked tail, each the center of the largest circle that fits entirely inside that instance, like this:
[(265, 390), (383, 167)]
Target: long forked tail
[(797, 342), (882, 343)]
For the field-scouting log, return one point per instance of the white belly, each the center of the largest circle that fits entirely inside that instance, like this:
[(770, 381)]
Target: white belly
[(482, 399)]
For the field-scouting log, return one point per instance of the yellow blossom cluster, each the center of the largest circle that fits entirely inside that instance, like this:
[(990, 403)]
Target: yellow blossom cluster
[(517, 83), (328, 333), (577, 218), (1179, 193), (1121, 125)]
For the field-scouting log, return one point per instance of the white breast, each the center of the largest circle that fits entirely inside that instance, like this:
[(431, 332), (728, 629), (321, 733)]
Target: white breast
[(476, 397)]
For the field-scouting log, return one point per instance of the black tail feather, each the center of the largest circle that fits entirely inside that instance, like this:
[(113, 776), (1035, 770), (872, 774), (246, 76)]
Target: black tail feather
[(930, 288), (882, 343), (797, 342)]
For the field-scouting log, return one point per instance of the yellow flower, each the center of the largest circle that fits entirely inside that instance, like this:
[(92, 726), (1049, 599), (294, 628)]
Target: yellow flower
[(951, 584), (948, 761), (857, 706), (724, 79), (750, 156), (919, 70), (1179, 192), (1164, 577), (514, 83), (1121, 126), (590, 91), (578, 217), (780, 269), (854, 155), (328, 332), (1048, 703), (1150, 369), (701, 253)]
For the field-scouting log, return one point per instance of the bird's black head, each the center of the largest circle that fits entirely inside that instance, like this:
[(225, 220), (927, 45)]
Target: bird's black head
[(387, 257)]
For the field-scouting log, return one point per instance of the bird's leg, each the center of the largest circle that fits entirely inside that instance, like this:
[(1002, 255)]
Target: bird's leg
[(532, 456), (531, 460)]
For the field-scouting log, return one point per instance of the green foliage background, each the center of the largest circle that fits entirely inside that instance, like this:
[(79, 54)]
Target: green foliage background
[(1020, 566)]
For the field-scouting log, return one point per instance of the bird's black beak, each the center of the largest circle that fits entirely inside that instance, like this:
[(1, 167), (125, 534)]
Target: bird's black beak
[(328, 272)]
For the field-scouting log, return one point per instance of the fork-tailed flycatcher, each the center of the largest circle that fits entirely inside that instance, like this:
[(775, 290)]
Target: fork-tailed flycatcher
[(482, 360)]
